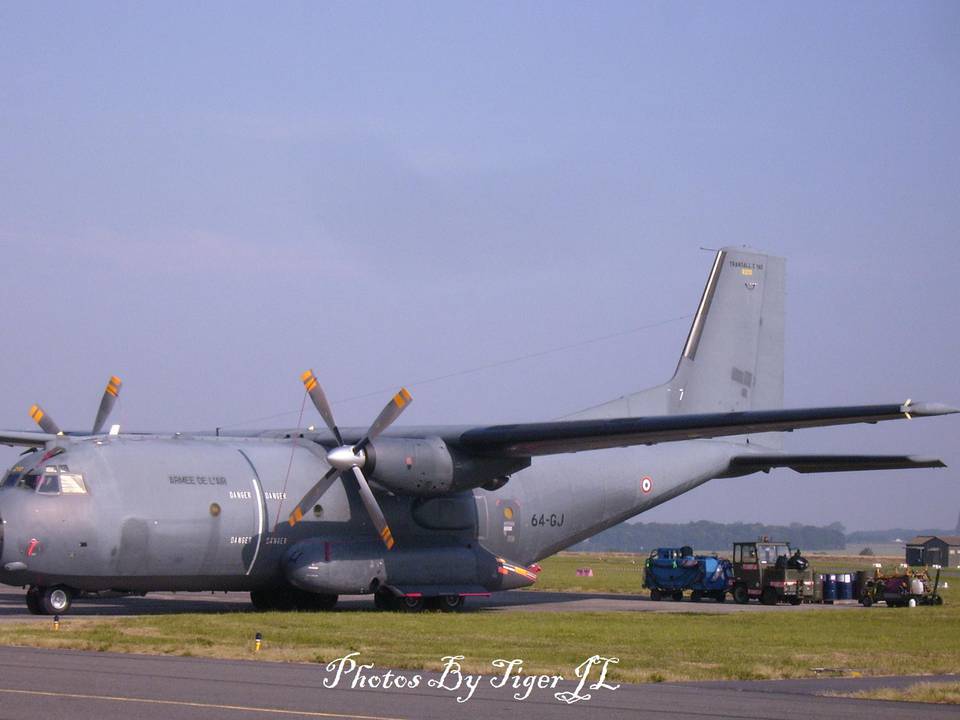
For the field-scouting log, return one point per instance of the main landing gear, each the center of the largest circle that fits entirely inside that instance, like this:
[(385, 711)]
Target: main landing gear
[(384, 599), (287, 597), (55, 600)]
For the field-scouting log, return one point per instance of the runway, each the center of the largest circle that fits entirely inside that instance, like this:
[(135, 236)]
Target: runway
[(13, 607), (75, 685), (89, 686)]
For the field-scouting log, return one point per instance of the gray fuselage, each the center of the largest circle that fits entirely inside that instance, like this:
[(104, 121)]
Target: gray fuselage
[(210, 514)]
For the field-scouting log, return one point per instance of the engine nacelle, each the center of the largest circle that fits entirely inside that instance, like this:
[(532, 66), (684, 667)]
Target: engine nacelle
[(339, 569), (427, 467)]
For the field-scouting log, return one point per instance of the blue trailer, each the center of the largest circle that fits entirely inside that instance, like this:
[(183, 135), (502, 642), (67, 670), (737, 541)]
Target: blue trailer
[(671, 571)]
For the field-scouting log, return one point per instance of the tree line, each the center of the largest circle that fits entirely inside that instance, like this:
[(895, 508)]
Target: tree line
[(705, 535)]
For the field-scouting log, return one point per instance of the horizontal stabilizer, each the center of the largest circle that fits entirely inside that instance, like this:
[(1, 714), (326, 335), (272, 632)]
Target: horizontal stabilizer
[(746, 464)]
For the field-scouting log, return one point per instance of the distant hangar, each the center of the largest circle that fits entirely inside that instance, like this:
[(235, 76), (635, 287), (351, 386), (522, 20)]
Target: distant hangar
[(943, 550)]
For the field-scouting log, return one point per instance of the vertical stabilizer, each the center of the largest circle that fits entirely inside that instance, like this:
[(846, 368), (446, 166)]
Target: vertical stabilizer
[(733, 357)]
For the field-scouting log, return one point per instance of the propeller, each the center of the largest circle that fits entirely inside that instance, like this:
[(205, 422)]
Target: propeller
[(320, 402), (48, 425), (107, 402), (45, 422), (351, 458)]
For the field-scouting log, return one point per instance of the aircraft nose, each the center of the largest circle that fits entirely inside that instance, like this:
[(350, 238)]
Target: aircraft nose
[(9, 564)]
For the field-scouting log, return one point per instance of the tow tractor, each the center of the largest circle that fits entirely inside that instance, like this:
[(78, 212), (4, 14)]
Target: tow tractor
[(772, 572)]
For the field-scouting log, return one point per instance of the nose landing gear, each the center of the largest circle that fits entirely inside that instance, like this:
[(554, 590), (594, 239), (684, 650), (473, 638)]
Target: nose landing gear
[(54, 600)]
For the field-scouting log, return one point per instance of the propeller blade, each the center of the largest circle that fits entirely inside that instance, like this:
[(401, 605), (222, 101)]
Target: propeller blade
[(373, 508), (107, 403), (320, 402), (386, 418), (310, 499), (45, 422)]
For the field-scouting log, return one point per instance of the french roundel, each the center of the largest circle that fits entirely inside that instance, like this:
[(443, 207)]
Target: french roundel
[(646, 485)]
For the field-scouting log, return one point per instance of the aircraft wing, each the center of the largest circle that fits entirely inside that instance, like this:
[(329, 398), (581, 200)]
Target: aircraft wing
[(565, 436), (547, 438), (747, 464), (25, 438)]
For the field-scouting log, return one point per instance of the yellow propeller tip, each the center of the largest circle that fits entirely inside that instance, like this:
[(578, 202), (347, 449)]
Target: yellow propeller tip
[(295, 517)]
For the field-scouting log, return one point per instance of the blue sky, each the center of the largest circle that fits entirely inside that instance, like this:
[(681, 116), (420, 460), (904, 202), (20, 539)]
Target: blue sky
[(208, 200)]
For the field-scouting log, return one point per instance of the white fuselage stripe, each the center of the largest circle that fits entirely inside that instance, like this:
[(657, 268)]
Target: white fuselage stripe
[(261, 503)]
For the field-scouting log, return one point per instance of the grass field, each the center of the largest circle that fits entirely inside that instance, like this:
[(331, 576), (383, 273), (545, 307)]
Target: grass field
[(612, 573), (652, 647), (940, 693)]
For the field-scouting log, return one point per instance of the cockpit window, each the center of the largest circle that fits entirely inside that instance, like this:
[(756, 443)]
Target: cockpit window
[(53, 481), (12, 476), (49, 485), (57, 483), (35, 475), (28, 480), (72, 484)]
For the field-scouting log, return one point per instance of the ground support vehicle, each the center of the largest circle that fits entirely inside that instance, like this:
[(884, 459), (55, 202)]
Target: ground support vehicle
[(670, 571), (900, 590), (771, 572)]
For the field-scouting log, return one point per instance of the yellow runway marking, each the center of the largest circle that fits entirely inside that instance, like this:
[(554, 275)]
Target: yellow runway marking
[(204, 706)]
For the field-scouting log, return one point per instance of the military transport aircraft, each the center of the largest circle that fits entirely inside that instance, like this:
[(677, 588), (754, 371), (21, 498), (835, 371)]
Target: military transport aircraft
[(417, 516)]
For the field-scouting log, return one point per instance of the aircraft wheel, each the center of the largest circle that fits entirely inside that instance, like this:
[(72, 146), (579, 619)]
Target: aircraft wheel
[(315, 601), (329, 602), (283, 598), (411, 604), (33, 601), (768, 596), (450, 603), (796, 600), (740, 595), (866, 601), (677, 595), (260, 600), (655, 595), (696, 596), (55, 600), (274, 598), (384, 600), (720, 597)]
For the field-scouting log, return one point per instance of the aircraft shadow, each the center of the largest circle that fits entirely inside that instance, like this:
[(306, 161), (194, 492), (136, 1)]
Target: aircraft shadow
[(12, 605)]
